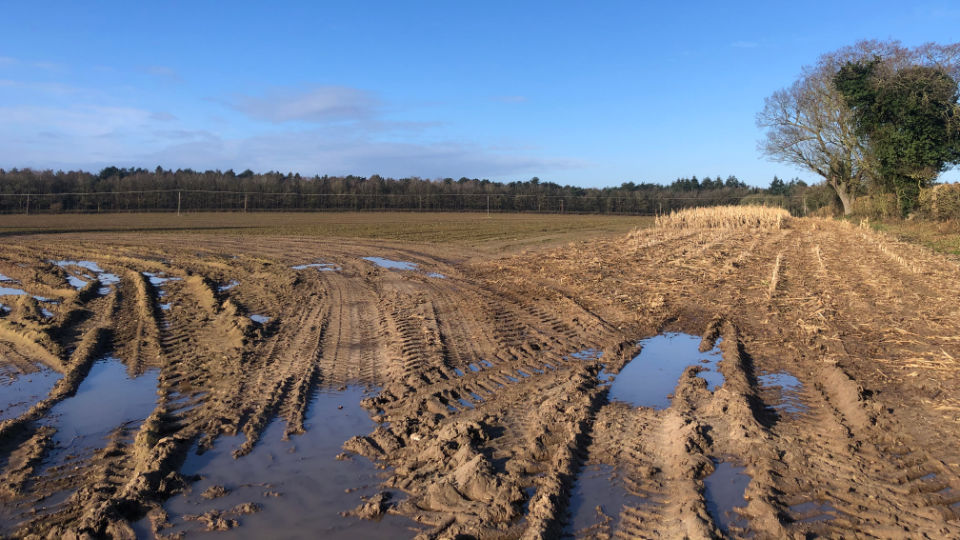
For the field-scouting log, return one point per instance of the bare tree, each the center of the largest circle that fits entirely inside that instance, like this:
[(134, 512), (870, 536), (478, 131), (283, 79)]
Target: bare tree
[(810, 125)]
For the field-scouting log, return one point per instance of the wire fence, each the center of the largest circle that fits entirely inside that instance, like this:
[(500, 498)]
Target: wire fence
[(200, 200)]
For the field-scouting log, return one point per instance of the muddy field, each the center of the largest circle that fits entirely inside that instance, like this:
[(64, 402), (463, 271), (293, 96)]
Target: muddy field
[(767, 382)]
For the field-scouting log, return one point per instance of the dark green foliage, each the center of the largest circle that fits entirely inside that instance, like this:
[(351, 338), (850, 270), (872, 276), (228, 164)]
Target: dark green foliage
[(777, 187), (910, 118)]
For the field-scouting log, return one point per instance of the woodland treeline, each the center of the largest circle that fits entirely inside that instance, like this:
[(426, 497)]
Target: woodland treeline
[(141, 190)]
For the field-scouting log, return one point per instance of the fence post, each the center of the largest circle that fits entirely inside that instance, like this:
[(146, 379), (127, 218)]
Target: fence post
[(28, 205), (178, 203)]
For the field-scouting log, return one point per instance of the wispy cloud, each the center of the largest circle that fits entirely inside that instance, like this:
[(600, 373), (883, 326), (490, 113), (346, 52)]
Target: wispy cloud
[(164, 72), (81, 121), (318, 105), (311, 152), (511, 99), (162, 116), (325, 129), (45, 87)]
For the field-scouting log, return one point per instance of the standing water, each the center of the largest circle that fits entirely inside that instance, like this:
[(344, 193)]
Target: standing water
[(650, 378), (724, 490), (299, 484), (20, 391)]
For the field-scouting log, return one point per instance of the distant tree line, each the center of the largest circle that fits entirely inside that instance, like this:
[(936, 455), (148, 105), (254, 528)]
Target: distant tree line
[(141, 190)]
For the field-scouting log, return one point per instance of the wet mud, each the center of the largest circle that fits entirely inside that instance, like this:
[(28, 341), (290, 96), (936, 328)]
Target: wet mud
[(805, 386)]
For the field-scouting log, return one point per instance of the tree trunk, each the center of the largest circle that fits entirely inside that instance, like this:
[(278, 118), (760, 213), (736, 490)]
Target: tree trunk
[(843, 191)]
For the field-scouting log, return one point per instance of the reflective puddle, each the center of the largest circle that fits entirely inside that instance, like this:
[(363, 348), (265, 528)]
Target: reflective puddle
[(391, 264), (724, 491), (787, 387), (299, 485), (813, 511), (11, 291), (650, 378), (260, 319), (400, 265), (5, 278), (106, 400), (89, 270), (587, 354), (159, 281), (597, 485), (228, 286), (20, 391), (320, 266)]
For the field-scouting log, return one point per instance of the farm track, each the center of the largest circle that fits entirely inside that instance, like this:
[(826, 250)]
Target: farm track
[(489, 396)]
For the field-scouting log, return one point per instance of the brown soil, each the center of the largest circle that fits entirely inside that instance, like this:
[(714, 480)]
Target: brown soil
[(868, 326)]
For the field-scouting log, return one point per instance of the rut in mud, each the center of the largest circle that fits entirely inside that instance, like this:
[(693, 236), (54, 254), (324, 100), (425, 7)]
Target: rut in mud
[(481, 396)]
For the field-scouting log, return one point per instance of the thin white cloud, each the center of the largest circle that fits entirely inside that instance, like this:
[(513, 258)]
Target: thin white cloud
[(162, 116), (162, 72), (319, 105), (83, 121), (45, 87), (50, 66), (511, 99), (348, 135), (318, 153)]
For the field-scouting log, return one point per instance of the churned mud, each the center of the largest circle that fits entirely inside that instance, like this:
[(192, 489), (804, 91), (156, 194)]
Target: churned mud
[(783, 382)]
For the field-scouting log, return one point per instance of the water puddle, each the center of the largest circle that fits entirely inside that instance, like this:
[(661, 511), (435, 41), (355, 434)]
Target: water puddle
[(724, 490), (20, 391), (228, 286), (5, 278), (105, 400), (299, 484), (391, 264), (788, 387), (598, 485), (813, 512), (650, 378), (107, 280), (5, 309), (11, 291), (159, 281), (260, 319), (587, 354), (320, 266)]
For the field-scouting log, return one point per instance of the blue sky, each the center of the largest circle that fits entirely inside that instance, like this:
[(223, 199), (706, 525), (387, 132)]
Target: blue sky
[(586, 93)]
